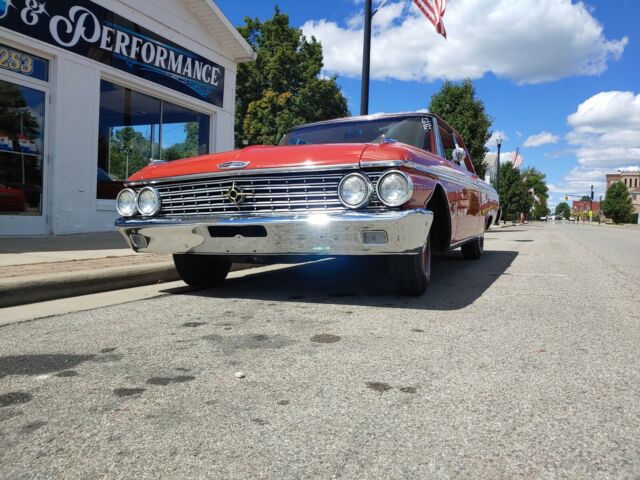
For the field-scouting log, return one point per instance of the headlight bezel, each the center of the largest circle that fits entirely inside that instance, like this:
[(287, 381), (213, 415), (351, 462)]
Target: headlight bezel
[(367, 197), (408, 194), (135, 202), (158, 203)]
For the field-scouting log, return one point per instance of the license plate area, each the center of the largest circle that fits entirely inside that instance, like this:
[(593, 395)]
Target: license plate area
[(248, 231)]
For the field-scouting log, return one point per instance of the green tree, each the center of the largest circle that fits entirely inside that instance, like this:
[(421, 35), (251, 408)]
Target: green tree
[(617, 204), (513, 192), (538, 192), (564, 210), (129, 152), (281, 88), (458, 106), (540, 209), (189, 148)]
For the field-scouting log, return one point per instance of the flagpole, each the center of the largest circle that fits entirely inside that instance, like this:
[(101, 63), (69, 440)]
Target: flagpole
[(366, 59)]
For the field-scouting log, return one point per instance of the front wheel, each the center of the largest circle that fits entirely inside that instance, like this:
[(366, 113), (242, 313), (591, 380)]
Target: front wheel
[(201, 270), (473, 250), (411, 274)]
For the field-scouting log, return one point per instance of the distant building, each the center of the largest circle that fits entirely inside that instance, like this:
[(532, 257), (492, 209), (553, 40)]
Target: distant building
[(631, 180), (580, 206)]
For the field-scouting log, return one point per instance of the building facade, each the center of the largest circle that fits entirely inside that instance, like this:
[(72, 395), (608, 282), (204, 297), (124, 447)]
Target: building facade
[(631, 180), (93, 90), (581, 206)]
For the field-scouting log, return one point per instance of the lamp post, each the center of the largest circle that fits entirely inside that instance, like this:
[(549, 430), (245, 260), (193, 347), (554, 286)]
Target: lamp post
[(499, 144), (366, 58)]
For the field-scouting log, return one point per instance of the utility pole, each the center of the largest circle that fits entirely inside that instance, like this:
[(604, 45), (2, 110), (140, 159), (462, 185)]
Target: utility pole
[(499, 144), (366, 58)]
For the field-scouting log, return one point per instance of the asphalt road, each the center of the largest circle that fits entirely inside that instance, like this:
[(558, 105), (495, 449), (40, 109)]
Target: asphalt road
[(524, 364)]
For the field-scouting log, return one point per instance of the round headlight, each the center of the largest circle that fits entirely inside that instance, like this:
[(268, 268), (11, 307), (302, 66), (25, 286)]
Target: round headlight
[(148, 201), (394, 188), (126, 203), (354, 190)]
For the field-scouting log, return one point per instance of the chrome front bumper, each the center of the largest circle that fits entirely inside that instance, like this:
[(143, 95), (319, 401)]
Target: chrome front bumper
[(347, 233)]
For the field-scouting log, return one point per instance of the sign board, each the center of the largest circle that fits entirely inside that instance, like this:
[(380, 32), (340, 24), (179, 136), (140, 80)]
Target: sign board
[(87, 29)]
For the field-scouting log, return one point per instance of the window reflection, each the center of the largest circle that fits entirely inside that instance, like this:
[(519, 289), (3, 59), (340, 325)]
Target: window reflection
[(136, 128), (21, 147)]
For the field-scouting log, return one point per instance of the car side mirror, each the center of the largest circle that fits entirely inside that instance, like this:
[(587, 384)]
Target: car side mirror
[(457, 156)]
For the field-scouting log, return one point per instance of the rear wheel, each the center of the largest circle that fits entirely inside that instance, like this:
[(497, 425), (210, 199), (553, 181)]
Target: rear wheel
[(473, 250), (411, 274), (201, 270)]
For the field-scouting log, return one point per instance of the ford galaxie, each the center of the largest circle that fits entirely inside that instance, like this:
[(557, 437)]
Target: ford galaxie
[(399, 185)]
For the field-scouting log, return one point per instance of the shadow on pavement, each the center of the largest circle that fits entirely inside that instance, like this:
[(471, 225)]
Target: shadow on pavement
[(455, 283)]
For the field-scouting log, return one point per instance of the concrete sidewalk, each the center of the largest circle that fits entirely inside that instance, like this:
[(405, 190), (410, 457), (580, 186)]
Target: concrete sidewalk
[(35, 269)]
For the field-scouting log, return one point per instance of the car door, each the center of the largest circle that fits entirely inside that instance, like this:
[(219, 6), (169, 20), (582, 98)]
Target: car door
[(456, 179), (474, 219)]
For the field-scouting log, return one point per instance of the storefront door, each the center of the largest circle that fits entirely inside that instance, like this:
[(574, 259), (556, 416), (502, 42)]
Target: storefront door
[(23, 151)]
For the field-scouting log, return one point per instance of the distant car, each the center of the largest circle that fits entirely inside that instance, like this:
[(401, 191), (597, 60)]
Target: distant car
[(12, 199)]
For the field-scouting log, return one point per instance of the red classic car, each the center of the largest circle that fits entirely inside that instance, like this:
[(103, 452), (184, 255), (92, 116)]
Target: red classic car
[(397, 185)]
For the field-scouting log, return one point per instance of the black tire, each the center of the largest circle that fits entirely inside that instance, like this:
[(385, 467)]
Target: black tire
[(473, 250), (411, 274), (201, 270)]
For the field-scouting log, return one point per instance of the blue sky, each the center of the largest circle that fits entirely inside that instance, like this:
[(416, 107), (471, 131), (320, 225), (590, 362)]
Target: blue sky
[(560, 78)]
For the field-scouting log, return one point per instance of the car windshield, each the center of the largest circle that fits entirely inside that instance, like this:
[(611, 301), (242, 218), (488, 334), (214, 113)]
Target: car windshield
[(410, 130)]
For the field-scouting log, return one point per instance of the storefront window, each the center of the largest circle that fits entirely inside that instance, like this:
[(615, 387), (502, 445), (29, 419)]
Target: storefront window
[(21, 147), (136, 128)]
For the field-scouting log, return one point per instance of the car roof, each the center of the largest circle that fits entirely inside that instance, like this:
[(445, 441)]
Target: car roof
[(375, 116)]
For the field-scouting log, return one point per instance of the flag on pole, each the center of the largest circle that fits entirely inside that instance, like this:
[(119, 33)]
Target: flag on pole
[(516, 158), (434, 11)]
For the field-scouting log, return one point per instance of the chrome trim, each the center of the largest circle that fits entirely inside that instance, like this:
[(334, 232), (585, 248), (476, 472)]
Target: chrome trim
[(231, 165), (158, 202), (254, 171), (407, 196), (367, 182), (135, 202), (453, 176), (314, 234), (453, 246)]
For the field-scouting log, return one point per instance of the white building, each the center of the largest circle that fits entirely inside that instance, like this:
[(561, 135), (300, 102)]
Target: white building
[(91, 90)]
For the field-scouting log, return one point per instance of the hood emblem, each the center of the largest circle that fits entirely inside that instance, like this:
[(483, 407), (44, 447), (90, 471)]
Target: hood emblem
[(232, 165), (235, 195)]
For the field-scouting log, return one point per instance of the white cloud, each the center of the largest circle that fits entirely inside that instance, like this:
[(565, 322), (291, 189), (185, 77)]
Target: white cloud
[(525, 41), (491, 143), (539, 139), (606, 130), (606, 137), (518, 133)]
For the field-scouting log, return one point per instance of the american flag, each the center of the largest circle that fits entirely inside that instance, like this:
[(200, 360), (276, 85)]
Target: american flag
[(434, 11), (516, 158)]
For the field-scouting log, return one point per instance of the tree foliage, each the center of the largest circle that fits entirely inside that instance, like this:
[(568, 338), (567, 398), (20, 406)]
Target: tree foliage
[(564, 210), (537, 192), (459, 107), (513, 192), (281, 88), (617, 205)]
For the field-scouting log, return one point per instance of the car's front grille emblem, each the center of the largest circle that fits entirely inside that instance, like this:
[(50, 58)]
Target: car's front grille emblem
[(235, 195)]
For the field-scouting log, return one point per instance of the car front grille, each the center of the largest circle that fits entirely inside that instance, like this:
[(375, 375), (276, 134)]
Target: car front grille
[(281, 193)]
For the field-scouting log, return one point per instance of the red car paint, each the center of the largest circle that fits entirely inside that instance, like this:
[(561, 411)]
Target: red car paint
[(472, 203)]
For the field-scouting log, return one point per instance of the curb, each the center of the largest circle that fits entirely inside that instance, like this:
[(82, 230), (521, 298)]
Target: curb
[(39, 288)]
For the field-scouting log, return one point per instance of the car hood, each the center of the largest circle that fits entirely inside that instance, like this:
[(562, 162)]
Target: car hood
[(256, 158)]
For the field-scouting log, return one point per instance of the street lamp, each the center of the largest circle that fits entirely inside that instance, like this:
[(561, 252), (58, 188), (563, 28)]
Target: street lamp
[(499, 144)]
